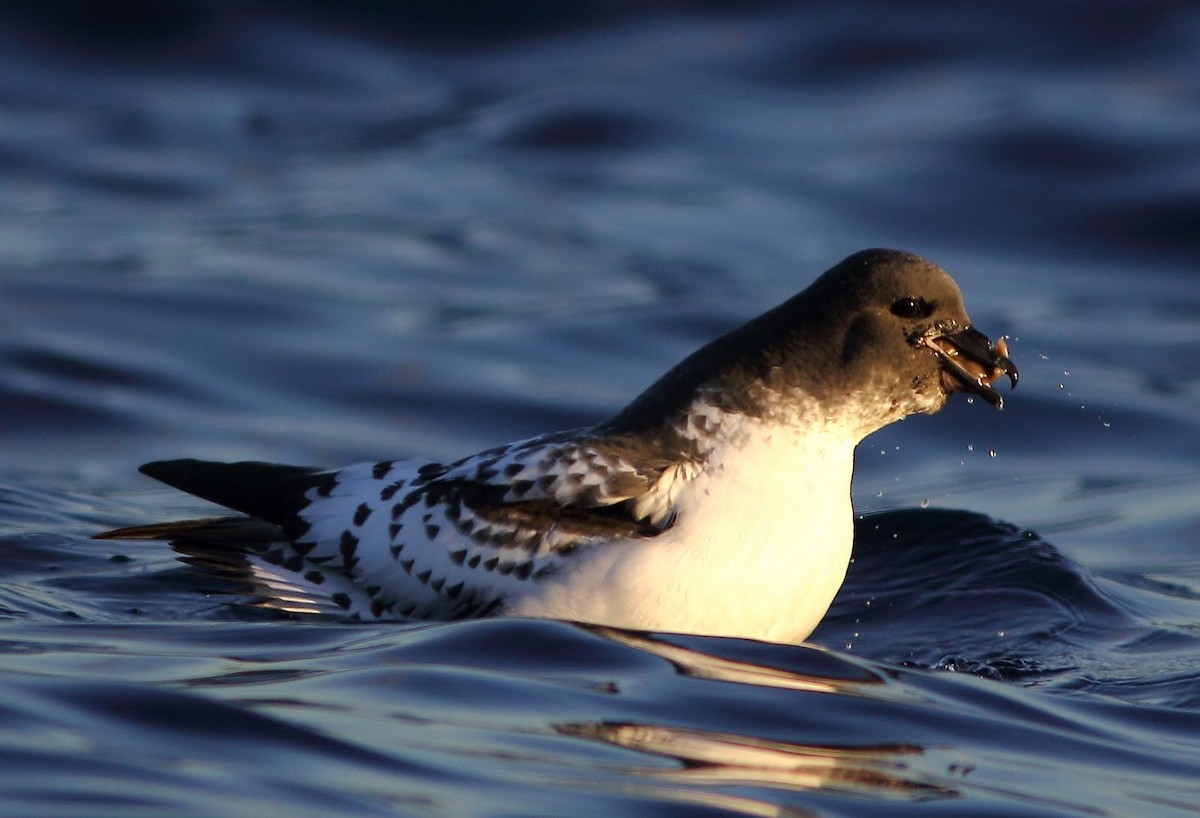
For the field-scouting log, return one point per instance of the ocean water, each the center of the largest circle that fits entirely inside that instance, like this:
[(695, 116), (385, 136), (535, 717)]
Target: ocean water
[(298, 233)]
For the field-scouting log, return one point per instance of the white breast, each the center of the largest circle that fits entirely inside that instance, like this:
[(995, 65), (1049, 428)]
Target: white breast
[(760, 546)]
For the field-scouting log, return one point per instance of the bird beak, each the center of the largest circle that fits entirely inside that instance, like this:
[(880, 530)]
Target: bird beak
[(970, 363)]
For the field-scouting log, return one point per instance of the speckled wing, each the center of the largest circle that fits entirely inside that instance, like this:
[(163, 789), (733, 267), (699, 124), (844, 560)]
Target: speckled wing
[(457, 540), (394, 540), (574, 470)]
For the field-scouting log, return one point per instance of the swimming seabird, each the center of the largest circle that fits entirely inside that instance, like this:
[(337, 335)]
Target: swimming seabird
[(717, 502)]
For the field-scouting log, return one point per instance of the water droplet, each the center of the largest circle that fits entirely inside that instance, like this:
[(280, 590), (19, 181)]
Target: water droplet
[(924, 502), (970, 447), (991, 452), (1043, 357), (1062, 386), (998, 633)]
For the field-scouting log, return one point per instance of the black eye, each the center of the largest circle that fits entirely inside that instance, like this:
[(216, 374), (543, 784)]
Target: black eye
[(910, 308)]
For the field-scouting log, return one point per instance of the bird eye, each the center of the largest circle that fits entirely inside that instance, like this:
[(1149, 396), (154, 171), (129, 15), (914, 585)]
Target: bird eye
[(910, 308)]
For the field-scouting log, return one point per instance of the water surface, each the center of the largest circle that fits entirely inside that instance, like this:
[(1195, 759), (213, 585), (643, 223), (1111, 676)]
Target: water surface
[(321, 237)]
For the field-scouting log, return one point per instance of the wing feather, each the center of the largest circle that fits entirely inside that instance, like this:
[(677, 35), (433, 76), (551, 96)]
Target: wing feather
[(396, 540)]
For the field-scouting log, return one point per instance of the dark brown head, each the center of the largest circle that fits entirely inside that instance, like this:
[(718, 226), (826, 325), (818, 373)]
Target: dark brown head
[(880, 336), (896, 326)]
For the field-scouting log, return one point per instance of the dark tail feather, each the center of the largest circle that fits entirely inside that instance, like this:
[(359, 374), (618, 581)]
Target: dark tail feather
[(250, 555), (267, 490), (217, 546), (229, 530), (234, 555)]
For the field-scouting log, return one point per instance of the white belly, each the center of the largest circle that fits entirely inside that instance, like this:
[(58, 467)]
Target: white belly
[(760, 546)]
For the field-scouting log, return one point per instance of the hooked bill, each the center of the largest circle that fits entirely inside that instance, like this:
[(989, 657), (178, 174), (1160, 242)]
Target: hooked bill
[(971, 364)]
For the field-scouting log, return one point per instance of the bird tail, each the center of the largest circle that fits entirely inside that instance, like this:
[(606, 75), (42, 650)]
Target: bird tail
[(247, 557), (215, 529)]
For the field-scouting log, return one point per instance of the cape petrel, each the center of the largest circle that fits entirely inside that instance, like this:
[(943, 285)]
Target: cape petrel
[(717, 502)]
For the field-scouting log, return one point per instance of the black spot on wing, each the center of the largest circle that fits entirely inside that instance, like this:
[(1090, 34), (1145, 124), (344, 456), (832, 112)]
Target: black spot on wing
[(409, 500), (428, 472), (487, 470), (348, 547), (361, 514)]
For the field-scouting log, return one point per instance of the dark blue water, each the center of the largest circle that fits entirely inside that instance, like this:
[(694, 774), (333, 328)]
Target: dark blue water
[(311, 236)]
